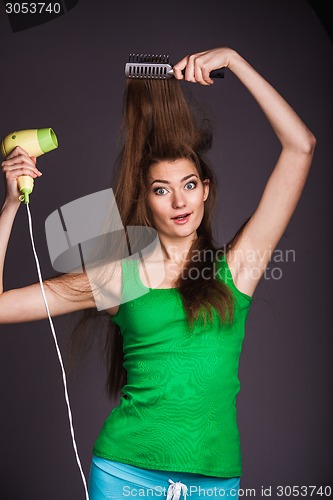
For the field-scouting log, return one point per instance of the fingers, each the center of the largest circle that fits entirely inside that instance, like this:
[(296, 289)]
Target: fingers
[(17, 163), (190, 70), (16, 152), (205, 70), (20, 164), (178, 68), (201, 73), (14, 172), (197, 69)]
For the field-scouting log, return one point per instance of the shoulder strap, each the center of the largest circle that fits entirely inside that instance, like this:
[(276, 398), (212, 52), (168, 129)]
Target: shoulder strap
[(222, 272), (132, 287)]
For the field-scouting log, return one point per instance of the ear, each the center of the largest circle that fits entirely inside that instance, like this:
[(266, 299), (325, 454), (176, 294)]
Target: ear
[(206, 189)]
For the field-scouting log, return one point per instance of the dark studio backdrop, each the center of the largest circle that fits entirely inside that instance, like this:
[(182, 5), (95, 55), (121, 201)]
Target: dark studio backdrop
[(68, 74)]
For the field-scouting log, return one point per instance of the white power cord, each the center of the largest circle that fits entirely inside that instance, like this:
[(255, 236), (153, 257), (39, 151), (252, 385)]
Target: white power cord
[(59, 354)]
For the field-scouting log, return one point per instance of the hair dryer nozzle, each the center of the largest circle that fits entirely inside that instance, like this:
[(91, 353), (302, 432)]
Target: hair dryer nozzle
[(36, 142)]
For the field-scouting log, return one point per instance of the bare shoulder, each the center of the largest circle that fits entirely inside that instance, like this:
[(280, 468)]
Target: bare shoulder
[(106, 286)]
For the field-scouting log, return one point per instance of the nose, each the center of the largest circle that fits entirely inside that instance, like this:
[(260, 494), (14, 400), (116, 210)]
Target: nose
[(178, 200)]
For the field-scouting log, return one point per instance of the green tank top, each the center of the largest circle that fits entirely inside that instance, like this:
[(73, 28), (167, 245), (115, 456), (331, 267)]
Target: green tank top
[(178, 408)]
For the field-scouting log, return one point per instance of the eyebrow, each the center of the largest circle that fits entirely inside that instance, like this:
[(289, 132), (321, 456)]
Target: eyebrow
[(181, 180)]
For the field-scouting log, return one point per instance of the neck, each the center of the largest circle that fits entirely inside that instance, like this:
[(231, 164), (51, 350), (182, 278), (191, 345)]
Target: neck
[(176, 249)]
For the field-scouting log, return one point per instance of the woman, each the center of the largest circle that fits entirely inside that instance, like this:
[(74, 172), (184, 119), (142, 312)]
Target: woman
[(182, 332)]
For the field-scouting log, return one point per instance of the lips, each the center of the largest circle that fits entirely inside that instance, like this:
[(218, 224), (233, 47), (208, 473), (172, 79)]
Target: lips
[(181, 216)]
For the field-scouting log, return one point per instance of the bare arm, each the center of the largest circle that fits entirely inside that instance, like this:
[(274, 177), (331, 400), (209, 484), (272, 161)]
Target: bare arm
[(7, 216), (265, 228), (64, 294)]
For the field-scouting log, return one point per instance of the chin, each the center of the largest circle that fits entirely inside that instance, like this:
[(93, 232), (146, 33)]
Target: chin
[(185, 231)]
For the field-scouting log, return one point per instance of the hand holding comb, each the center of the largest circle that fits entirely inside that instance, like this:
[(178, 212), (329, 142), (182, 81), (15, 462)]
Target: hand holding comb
[(156, 67)]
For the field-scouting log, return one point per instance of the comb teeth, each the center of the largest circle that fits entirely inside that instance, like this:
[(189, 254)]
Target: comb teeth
[(149, 58), (150, 71)]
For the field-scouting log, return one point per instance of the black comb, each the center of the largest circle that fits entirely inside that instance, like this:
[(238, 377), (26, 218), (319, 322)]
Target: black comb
[(156, 66)]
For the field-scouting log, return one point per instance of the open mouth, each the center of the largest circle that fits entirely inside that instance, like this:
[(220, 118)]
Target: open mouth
[(181, 218)]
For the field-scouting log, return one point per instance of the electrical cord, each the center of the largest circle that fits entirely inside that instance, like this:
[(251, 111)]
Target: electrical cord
[(59, 354)]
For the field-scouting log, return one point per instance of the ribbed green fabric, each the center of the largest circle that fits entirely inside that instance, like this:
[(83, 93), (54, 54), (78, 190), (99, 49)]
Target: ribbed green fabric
[(178, 409)]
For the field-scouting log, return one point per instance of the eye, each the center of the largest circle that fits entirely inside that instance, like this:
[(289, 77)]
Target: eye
[(160, 191), (191, 185)]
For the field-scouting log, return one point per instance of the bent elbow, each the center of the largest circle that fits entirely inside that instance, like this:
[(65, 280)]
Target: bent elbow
[(310, 144), (303, 145)]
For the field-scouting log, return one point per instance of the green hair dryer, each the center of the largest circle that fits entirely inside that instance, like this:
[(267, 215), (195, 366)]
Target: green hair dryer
[(36, 142)]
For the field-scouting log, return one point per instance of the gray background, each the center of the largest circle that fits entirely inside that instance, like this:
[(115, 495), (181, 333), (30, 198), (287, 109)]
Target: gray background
[(68, 74)]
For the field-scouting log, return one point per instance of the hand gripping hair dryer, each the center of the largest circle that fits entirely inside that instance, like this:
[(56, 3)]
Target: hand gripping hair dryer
[(35, 142)]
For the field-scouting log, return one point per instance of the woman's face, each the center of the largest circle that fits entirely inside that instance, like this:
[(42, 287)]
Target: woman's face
[(176, 197)]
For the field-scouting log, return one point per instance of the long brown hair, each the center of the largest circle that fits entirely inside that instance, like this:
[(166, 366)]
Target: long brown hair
[(158, 124)]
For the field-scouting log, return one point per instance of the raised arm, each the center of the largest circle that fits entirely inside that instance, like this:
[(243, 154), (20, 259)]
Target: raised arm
[(62, 293), (251, 253)]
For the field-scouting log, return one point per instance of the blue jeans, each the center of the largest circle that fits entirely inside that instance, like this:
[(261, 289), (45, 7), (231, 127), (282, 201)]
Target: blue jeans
[(109, 480)]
